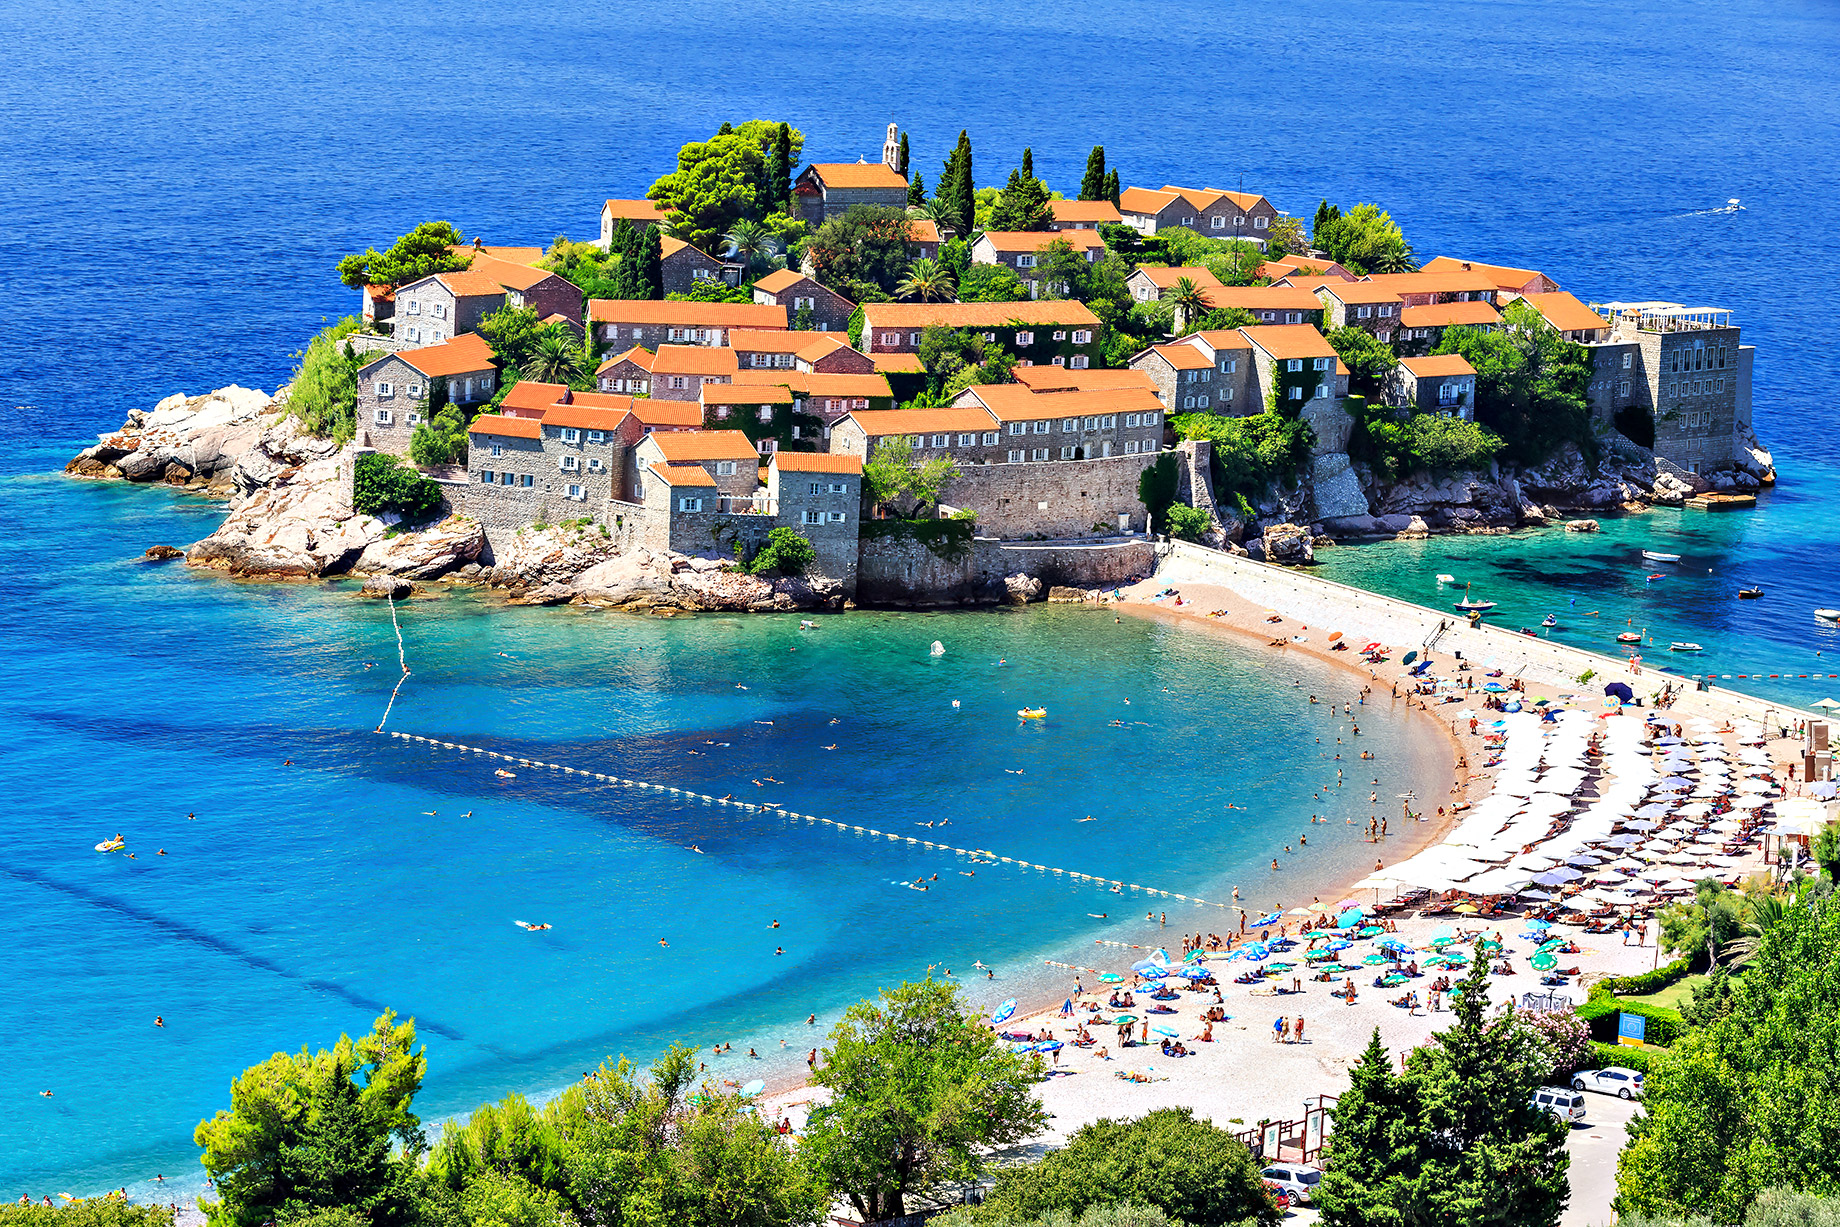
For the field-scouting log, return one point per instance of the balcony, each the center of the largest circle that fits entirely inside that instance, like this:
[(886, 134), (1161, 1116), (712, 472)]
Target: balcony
[(736, 505)]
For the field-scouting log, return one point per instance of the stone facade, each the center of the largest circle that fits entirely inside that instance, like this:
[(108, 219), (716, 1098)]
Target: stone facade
[(825, 190), (1070, 499), (830, 311), (1020, 252), (1444, 385), (651, 323), (393, 394), (682, 267), (1692, 391), (1059, 333), (1207, 211), (444, 306), (1359, 304), (905, 572)]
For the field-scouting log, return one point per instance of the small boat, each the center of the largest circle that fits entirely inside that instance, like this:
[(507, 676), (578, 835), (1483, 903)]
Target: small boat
[(1478, 606), (1685, 647), (1033, 713), (806, 624), (1630, 637), (1829, 615), (1549, 621), (1654, 556), (1447, 579), (111, 845), (938, 649), (1749, 594)]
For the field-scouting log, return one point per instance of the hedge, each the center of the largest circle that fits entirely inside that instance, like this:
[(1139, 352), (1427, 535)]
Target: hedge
[(1649, 981), (1639, 1059), (1664, 1025)]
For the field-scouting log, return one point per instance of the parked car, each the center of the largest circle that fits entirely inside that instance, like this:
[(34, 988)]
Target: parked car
[(1567, 1105), (1296, 1179), (1611, 1080)]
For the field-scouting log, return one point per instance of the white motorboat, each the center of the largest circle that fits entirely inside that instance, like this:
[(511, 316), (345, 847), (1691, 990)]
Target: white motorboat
[(1446, 579), (1654, 556), (1685, 647), (1828, 615)]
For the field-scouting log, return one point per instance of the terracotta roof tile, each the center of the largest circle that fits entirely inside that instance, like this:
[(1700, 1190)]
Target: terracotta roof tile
[(1145, 200), (1035, 240), (1438, 364), (1505, 276), (1012, 402), (898, 364), (694, 360), (687, 314), (1265, 298), (815, 462), (584, 416), (529, 394), (1223, 338), (510, 428), (857, 175), (509, 255), (924, 230), (1085, 211), (667, 414), (638, 355), (519, 277), (978, 314), (1165, 278), (769, 341), (697, 445), (1289, 341), (1350, 293), (682, 474), (1062, 379), (1182, 357), (635, 210), (824, 344), (780, 279), (746, 394), (668, 247), (469, 284), (884, 423), (461, 356), (1564, 312), (1440, 315), (1433, 283)]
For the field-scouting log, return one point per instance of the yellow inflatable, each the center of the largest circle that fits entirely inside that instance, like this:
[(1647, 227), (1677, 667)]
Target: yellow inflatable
[(1033, 713)]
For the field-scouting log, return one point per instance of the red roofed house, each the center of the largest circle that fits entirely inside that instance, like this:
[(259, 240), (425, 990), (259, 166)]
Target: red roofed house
[(728, 458), (1297, 267), (827, 189), (442, 306), (1185, 378), (680, 371), (820, 494), (652, 322), (1360, 304), (1268, 304), (549, 294), (923, 233), (1570, 318), (1021, 252), (1206, 211), (967, 435), (1296, 361), (828, 310), (1511, 282), (825, 396), (630, 372), (768, 414), (1082, 214), (1039, 426), (1422, 328), (681, 266), (379, 306), (1060, 379), (637, 213), (1148, 282), (1444, 385), (1055, 332), (394, 389)]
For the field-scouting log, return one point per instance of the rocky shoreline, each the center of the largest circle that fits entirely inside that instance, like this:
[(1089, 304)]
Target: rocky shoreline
[(289, 516)]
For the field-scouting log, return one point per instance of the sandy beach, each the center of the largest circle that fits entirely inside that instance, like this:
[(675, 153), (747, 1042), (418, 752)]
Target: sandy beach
[(1244, 1074)]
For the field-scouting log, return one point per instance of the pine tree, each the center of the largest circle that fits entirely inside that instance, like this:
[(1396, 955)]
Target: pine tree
[(916, 191), (779, 186), (1092, 184), (902, 157), (1373, 1151), (1111, 186), (726, 129), (1022, 205), (1028, 162), (649, 274)]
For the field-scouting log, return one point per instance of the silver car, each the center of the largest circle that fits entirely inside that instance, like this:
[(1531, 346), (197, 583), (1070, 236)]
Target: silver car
[(1298, 1180), (1611, 1080)]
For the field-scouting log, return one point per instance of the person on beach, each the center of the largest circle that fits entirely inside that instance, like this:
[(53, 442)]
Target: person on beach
[(1298, 1030), (1278, 1028)]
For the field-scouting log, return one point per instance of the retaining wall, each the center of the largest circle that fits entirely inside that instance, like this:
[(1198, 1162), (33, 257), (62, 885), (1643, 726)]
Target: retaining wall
[(902, 571)]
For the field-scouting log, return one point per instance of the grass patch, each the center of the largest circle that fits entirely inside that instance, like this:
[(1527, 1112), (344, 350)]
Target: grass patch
[(1671, 997)]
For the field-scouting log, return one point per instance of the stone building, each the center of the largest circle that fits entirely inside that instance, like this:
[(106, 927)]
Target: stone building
[(1303, 270), (768, 414), (924, 234), (682, 267), (1206, 211), (1082, 214), (680, 371), (1692, 375), (727, 457), (655, 322), (825, 190), (551, 295), (1360, 304), (1511, 283), (1042, 333), (636, 213), (443, 306), (667, 415), (820, 495), (630, 372), (1148, 282), (394, 390), (830, 311), (1057, 426), (824, 395), (1421, 329), (1092, 379), (1292, 366), (1078, 498), (379, 307), (1183, 376), (1444, 385), (1428, 289), (1268, 304), (966, 436), (1020, 251)]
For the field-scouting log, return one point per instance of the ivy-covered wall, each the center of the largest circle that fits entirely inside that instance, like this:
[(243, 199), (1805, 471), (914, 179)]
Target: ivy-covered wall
[(746, 419)]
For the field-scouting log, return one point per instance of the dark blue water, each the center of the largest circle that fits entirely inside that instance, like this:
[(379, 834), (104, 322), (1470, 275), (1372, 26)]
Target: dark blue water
[(176, 182)]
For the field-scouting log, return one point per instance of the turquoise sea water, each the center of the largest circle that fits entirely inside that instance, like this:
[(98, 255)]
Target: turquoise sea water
[(178, 180)]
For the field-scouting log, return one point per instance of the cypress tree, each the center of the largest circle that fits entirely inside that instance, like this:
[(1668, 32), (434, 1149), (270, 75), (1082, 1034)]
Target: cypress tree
[(1374, 1150), (963, 200), (650, 271), (916, 191), (1028, 162), (1092, 184), (725, 130), (1111, 186), (902, 158), (779, 190), (621, 245)]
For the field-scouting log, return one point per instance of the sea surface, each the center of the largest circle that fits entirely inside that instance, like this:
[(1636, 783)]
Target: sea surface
[(177, 180)]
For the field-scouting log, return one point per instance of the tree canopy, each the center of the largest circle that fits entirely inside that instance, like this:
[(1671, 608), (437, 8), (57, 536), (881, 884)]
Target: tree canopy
[(1530, 383), (920, 1089), (1022, 205), (1092, 183), (730, 176), (424, 251), (1369, 362), (953, 201), (868, 245), (1364, 240)]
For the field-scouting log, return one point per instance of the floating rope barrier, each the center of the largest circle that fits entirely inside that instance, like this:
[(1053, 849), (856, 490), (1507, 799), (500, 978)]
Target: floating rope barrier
[(978, 855), (402, 658)]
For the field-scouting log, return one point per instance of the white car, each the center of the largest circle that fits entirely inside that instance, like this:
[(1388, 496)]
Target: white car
[(1297, 1180), (1611, 1080)]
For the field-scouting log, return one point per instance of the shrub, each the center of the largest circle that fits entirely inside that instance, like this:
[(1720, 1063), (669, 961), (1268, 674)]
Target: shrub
[(1156, 490), (1639, 1059), (324, 395), (786, 552), (1187, 522), (1600, 1013), (86, 1212), (1250, 452), (1648, 981), (1557, 1043), (1422, 442), (382, 483)]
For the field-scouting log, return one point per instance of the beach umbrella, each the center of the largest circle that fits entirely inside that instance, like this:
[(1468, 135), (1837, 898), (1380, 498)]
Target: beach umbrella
[(1827, 704), (1409, 657), (1443, 931), (1004, 1011), (1544, 961), (1165, 1031), (1255, 951), (1339, 945), (1149, 970), (1124, 1020), (1551, 943), (1494, 687), (1194, 973), (1349, 919), (1373, 960), (1468, 909), (1539, 924), (753, 1088), (1621, 691), (1048, 1046), (1656, 810)]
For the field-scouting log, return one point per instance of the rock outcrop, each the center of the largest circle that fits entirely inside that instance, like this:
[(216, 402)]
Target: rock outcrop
[(183, 440), (299, 527), (380, 587)]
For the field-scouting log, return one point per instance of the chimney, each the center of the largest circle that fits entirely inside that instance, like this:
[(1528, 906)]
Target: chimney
[(1466, 267)]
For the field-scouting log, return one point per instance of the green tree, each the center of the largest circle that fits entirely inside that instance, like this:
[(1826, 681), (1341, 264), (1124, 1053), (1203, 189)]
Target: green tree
[(1531, 383), (899, 480), (1188, 523), (749, 243), (509, 1138), (1825, 849), (1187, 300), (302, 1134), (867, 244), (556, 358), (1371, 1167), (724, 179), (1369, 362), (513, 334), (440, 438), (1284, 236), (1111, 186), (1749, 1101), (1365, 240), (1191, 1170), (85, 1212), (324, 391), (919, 1091), (382, 484), (991, 283), (648, 264), (1324, 222), (787, 552), (712, 289), (955, 203), (916, 191), (901, 159), (928, 281), (1063, 272), (1250, 452), (779, 170), (1092, 183), (1714, 918), (1156, 490), (1022, 205), (424, 251)]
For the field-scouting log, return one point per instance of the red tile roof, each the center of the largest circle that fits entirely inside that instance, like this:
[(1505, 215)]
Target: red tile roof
[(1438, 364), (469, 284), (924, 230), (698, 445), (857, 175), (1222, 338), (780, 279), (694, 360), (817, 383), (509, 255), (638, 355), (512, 276), (1504, 276), (1038, 312), (1564, 312), (1350, 293), (1182, 357), (1165, 278), (1433, 283), (898, 364), (1062, 379), (884, 423), (1289, 341), (461, 356), (682, 474), (686, 314), (815, 462), (1094, 211), (584, 416), (668, 247), (1441, 315), (529, 394), (824, 344), (1265, 298), (765, 341), (511, 428), (635, 210), (1035, 240), (674, 414), (746, 394), (1012, 402)]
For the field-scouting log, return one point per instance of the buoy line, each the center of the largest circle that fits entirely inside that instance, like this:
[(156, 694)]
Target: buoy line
[(402, 658)]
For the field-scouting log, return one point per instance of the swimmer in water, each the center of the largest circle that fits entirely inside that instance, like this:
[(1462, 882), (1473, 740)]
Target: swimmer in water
[(159, 1020), (663, 942)]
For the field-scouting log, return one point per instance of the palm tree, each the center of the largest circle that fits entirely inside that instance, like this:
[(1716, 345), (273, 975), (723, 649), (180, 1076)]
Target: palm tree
[(1188, 300), (749, 242), (555, 359), (1395, 260), (928, 281)]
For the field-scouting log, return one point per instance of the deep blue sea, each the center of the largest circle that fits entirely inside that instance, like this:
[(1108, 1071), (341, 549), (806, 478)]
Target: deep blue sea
[(176, 183)]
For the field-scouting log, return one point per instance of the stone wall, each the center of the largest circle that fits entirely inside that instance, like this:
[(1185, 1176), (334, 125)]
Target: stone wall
[(902, 571), (1056, 499)]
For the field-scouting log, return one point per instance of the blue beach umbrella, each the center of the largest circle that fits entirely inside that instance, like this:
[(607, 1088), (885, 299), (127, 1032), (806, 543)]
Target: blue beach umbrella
[(1149, 970), (1004, 1011), (1255, 951), (1539, 924), (1350, 919), (1165, 1031), (1048, 1046), (1339, 945), (1194, 973), (753, 1088)]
